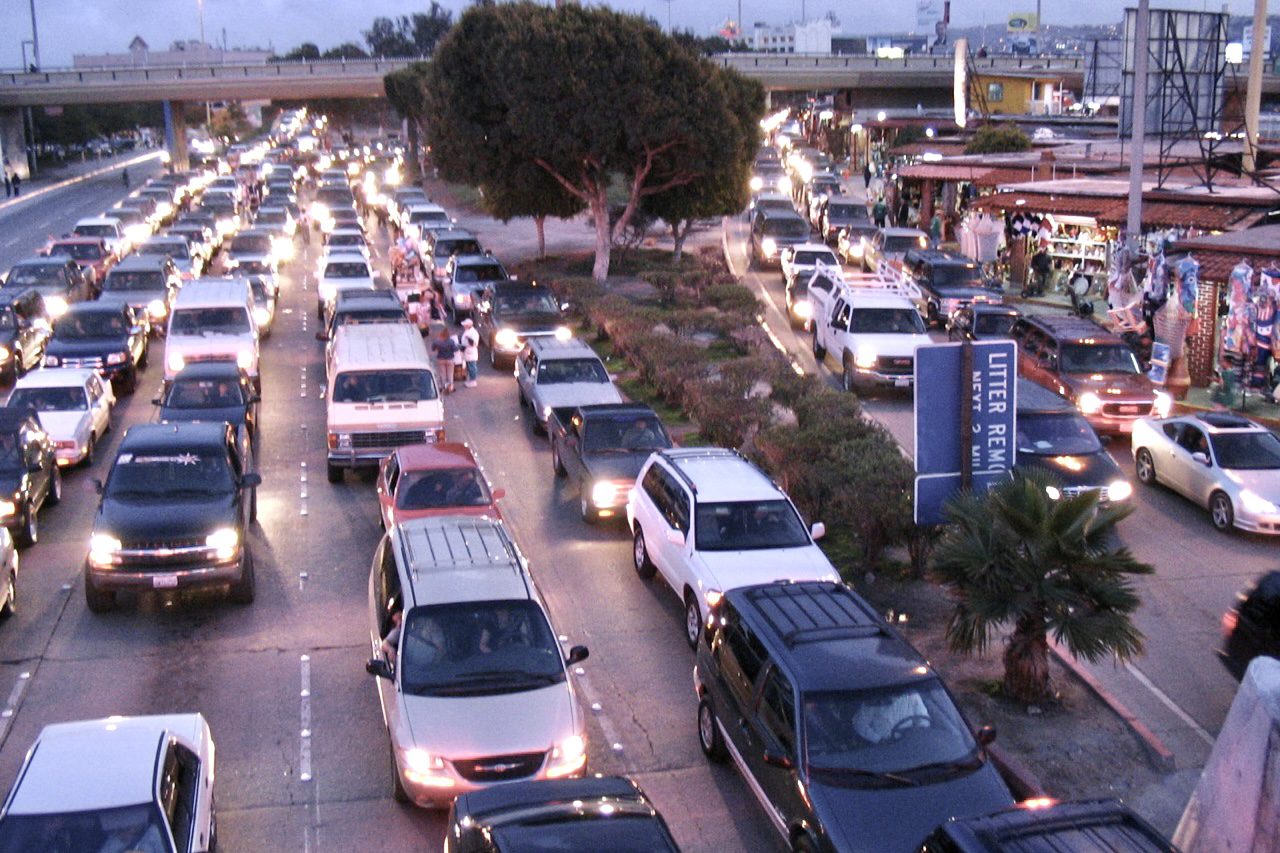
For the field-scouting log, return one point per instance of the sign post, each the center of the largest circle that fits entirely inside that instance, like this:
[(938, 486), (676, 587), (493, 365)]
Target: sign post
[(966, 420)]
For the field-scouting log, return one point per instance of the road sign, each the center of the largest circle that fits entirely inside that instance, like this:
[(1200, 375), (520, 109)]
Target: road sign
[(965, 425)]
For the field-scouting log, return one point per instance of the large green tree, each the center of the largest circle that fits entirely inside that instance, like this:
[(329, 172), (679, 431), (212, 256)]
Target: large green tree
[(409, 35), (588, 95), (1017, 559), (528, 191)]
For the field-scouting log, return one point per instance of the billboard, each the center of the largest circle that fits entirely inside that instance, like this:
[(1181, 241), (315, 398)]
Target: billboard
[(1024, 23)]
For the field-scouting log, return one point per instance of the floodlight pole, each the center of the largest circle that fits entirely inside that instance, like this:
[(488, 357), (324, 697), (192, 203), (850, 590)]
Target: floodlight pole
[(1138, 135)]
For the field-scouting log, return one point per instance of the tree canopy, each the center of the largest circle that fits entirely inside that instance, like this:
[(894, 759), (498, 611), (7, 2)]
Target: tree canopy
[(409, 35), (998, 139), (586, 95)]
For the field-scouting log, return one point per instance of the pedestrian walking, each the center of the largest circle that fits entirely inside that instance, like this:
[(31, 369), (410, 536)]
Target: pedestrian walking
[(17, 184), (471, 351), (8, 185), (866, 176), (304, 227), (124, 177), (935, 229), (879, 212), (444, 348)]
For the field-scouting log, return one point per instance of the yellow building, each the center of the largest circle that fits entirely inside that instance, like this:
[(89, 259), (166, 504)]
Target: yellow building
[(1016, 93)]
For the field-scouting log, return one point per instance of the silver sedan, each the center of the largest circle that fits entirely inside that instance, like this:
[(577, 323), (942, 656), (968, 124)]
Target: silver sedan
[(1222, 461)]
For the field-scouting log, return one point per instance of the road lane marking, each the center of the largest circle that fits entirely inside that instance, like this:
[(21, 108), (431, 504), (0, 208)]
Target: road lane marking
[(87, 176), (1170, 704), (304, 734)]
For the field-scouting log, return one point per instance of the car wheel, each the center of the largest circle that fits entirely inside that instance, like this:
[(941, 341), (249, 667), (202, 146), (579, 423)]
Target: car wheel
[(1221, 511), (709, 732), (97, 600), (30, 530), (493, 357), (87, 461), (242, 591), (398, 793), (557, 464), (142, 359), (10, 603), (253, 505), (846, 377), (588, 512), (819, 351), (55, 486), (640, 556), (692, 619), (129, 382), (334, 472), (802, 844), (1145, 467)]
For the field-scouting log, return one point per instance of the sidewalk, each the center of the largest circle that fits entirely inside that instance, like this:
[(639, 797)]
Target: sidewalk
[(75, 172)]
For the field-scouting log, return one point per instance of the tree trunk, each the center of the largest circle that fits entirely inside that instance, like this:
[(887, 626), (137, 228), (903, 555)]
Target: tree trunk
[(604, 237), (677, 237), (540, 222), (1026, 660)]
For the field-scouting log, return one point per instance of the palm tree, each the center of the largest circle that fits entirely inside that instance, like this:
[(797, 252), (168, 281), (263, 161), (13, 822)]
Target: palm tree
[(1017, 558)]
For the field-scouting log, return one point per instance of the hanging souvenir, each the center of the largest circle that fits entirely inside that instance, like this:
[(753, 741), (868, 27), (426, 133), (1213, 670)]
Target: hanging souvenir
[(1188, 282)]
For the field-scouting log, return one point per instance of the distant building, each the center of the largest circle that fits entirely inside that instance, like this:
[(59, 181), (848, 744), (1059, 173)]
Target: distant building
[(140, 55), (806, 37)]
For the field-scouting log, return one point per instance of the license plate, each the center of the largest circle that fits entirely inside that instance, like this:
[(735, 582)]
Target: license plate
[(902, 362), (902, 383), (164, 582), (1130, 410)]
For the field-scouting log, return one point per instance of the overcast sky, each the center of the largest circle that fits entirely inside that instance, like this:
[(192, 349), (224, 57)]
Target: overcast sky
[(96, 26)]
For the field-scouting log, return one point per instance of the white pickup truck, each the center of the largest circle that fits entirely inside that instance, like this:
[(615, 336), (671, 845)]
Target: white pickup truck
[(869, 324)]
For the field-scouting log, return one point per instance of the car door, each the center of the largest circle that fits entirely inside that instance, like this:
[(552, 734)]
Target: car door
[(571, 447), (180, 799), (774, 733), (1195, 478), (388, 479), (676, 541), (99, 406), (526, 376)]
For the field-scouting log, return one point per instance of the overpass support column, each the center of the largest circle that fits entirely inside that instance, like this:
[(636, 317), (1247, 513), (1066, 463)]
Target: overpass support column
[(175, 135), (13, 142)]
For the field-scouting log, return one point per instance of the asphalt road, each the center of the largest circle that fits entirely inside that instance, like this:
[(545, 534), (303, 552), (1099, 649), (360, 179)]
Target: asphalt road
[(1198, 570), (301, 749)]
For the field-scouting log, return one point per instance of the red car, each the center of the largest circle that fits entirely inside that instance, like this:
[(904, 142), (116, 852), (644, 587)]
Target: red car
[(423, 480), (90, 254)]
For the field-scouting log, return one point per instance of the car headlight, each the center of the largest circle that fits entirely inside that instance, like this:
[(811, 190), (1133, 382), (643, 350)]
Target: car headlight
[(103, 549), (339, 441), (319, 211), (245, 359), (506, 338), (856, 248), (1163, 404), (784, 184), (261, 316), (423, 768), (113, 358), (157, 309), (563, 333), (1089, 403), (1120, 490), (1254, 502), (713, 597), (757, 183), (56, 305), (865, 357), (8, 508), (175, 362), (225, 542), (769, 246), (568, 757), (607, 493), (1053, 492), (137, 232), (803, 309), (4, 356)]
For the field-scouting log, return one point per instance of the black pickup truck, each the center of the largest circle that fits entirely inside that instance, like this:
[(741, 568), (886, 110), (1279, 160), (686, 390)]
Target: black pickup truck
[(602, 449)]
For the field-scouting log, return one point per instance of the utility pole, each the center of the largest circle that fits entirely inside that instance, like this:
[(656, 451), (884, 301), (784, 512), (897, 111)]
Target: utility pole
[(204, 54), (1138, 135), (1253, 94), (35, 37)]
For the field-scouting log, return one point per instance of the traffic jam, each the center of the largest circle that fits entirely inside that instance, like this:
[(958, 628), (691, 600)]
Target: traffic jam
[(831, 717)]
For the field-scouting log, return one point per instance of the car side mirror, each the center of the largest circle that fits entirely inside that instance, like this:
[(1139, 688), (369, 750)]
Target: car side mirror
[(379, 668), (321, 336), (1104, 440), (818, 530), (987, 735), (676, 537), (251, 480), (1202, 458), (155, 401), (499, 494), (577, 654), (775, 758), (255, 398), (565, 306), (97, 485)]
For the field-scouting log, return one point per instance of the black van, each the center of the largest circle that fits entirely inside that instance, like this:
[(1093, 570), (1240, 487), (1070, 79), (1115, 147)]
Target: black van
[(1055, 438), (1040, 826)]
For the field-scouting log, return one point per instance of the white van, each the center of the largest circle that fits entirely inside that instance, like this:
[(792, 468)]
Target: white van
[(382, 395), (212, 320)]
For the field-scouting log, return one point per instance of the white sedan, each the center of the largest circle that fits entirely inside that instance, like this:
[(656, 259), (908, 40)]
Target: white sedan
[(73, 406), (1221, 461), (120, 783)]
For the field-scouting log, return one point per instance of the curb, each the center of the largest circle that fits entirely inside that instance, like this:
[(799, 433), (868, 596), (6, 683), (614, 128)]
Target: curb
[(87, 176), (1159, 754)]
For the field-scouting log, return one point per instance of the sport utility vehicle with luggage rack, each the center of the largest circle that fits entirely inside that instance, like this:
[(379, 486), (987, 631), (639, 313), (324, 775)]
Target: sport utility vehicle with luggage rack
[(870, 325)]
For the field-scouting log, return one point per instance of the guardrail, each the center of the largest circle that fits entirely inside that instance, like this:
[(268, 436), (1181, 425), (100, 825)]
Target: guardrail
[(196, 72), (912, 62)]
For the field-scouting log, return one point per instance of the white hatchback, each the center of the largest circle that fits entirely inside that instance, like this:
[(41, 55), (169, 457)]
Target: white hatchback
[(72, 405)]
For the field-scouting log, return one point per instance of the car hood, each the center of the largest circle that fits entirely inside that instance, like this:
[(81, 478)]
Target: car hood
[(1265, 482), (1092, 470), (458, 727), (578, 394), (88, 346), (893, 344), (1130, 385), (234, 415), (64, 425), (727, 570), (133, 298), (211, 344), (530, 323), (138, 521), (617, 465), (855, 817), (964, 292)]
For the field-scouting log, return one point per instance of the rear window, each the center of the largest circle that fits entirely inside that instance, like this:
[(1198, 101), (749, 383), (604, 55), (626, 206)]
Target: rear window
[(384, 386), (479, 272), (252, 243), (173, 250), (134, 280), (786, 227), (808, 258), (420, 216), (847, 212), (901, 244), (27, 276), (231, 320), (96, 230), (78, 251), (445, 248), (346, 270), (565, 370)]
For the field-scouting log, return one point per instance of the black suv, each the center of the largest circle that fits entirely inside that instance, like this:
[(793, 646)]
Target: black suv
[(147, 284), (29, 474), (103, 336), (212, 391), (1252, 627), (59, 280), (1053, 437), (175, 514), (847, 736), (1093, 825), (774, 230), (510, 312), (949, 281)]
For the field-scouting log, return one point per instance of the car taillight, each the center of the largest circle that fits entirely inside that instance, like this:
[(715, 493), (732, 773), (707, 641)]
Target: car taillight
[(1229, 620)]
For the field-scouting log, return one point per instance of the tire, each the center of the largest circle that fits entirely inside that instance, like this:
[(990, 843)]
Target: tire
[(557, 464), (87, 461), (242, 591), (819, 351), (1221, 512), (398, 793), (709, 737), (493, 357), (142, 359), (1145, 467), (692, 620), (30, 530), (253, 505), (320, 311), (97, 600), (10, 602), (334, 473), (539, 428), (846, 378), (640, 556), (55, 487), (802, 844), (589, 514)]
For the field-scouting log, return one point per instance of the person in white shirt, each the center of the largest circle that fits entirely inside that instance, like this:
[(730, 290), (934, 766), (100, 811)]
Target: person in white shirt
[(471, 351)]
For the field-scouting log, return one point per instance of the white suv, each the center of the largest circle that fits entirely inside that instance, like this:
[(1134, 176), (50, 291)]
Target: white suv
[(473, 684), (711, 521), (212, 320), (871, 327), (122, 783)]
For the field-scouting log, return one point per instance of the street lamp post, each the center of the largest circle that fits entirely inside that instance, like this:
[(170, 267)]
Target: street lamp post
[(35, 38), (204, 54), (27, 111)]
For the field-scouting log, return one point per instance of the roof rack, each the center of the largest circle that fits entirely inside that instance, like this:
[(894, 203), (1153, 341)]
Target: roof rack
[(816, 611), (897, 285), (674, 455)]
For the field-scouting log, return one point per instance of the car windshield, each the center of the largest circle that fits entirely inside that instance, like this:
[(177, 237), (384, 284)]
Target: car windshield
[(49, 399), (440, 489), (478, 647), (232, 320), (1244, 451), (127, 215), (90, 324), (900, 244), (133, 281), (748, 525), (344, 269), (384, 386), (460, 246), (1099, 358), (175, 249), (78, 251), (532, 303), (847, 212), (251, 244), (34, 274), (993, 325), (565, 370), (261, 292), (786, 226), (808, 258), (204, 394), (138, 829), (419, 217), (616, 827), (346, 240), (480, 272), (888, 730), (272, 217), (1065, 434), (168, 472), (886, 321), (957, 275), (96, 230), (624, 432)]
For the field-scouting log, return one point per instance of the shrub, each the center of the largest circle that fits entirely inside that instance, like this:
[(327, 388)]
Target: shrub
[(732, 298), (998, 139)]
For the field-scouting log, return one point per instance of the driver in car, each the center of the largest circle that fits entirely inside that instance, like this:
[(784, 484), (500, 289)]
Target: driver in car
[(640, 435), (504, 629), (882, 718)]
